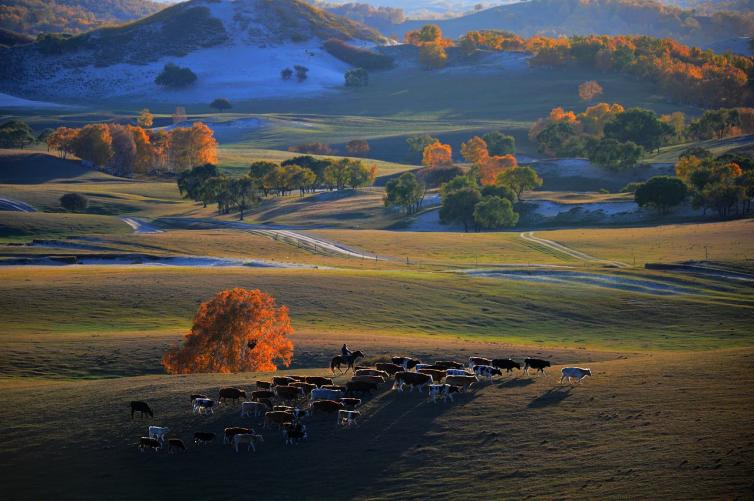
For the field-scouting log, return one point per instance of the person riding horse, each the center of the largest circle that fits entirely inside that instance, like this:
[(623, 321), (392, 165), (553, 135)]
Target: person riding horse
[(344, 351), (347, 357)]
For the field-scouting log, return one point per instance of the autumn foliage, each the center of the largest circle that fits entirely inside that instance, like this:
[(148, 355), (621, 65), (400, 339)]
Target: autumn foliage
[(493, 167), (238, 330), (437, 155)]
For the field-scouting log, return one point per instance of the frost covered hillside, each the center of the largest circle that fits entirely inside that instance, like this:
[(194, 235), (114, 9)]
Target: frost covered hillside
[(236, 48)]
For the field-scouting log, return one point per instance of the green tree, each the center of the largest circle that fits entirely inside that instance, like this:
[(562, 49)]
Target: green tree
[(639, 126), (243, 193), (259, 171), (494, 212), (358, 174), (499, 143), (16, 134), (221, 104), (613, 155), (458, 207), (175, 77), (715, 123), (492, 190), (405, 191), (519, 179), (74, 202), (661, 192), (458, 183), (417, 144), (560, 139), (190, 182)]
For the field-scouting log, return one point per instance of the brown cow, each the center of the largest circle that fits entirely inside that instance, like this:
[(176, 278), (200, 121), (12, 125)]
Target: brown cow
[(448, 364), (278, 418), (232, 431), (289, 392), (327, 406), (257, 395), (437, 374), (231, 393), (282, 381), (318, 380), (389, 368), (369, 379), (463, 382), (412, 379)]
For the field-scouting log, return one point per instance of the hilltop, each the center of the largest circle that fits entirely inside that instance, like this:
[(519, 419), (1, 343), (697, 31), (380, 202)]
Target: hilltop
[(610, 17), (236, 48)]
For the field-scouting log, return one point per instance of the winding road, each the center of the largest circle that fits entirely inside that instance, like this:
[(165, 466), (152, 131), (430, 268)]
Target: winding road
[(15, 205), (562, 249)]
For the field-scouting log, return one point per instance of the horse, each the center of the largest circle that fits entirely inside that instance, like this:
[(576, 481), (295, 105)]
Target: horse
[(350, 360)]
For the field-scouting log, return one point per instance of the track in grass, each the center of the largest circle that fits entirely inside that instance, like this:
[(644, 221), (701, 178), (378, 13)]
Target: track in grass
[(529, 237)]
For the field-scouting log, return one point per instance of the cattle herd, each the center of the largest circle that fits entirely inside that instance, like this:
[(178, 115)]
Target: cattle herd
[(286, 402)]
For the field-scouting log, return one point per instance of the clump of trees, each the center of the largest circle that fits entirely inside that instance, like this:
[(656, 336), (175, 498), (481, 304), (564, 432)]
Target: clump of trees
[(406, 192), (357, 147), (661, 192), (431, 45), (16, 134), (127, 150), (499, 143), (74, 202), (238, 330), (175, 77)]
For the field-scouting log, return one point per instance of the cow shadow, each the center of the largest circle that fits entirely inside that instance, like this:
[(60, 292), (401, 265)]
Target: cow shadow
[(515, 383), (551, 397)]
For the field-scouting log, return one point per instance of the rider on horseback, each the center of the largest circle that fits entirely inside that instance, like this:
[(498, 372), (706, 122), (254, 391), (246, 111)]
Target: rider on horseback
[(345, 351)]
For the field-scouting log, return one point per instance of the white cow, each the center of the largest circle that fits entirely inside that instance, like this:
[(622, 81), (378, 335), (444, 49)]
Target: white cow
[(574, 372), (255, 409), (487, 371), (204, 406), (158, 432), (348, 418), (325, 394), (440, 392), (246, 438), (456, 372)]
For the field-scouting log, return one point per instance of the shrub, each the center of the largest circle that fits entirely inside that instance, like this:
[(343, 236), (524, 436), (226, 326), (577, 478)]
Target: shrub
[(357, 147), (16, 134), (74, 202), (286, 74), (302, 72), (221, 104), (661, 192), (313, 149), (356, 56), (175, 77)]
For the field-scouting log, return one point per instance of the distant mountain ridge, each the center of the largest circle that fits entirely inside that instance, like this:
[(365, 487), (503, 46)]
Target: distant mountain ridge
[(71, 16)]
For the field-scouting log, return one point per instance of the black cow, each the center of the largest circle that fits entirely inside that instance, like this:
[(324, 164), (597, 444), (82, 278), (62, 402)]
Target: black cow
[(149, 443), (141, 407), (203, 437), (232, 394), (176, 444), (506, 363), (535, 363)]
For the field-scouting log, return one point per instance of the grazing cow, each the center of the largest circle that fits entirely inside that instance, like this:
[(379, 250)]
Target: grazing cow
[(232, 431), (333, 387), (176, 444), (295, 433), (327, 406), (350, 403), (574, 372), (442, 392), (448, 364), (487, 371), (203, 437), (407, 363), (325, 394), (197, 395), (412, 379), (437, 374), (278, 418), (348, 418), (305, 387), (282, 381), (289, 393), (141, 407), (318, 380), (463, 382), (506, 363), (263, 385), (204, 406), (371, 372), (247, 438), (353, 387), (391, 369), (369, 379), (478, 361), (159, 432), (148, 443), (258, 395), (232, 394), (535, 363), (457, 372), (255, 409)]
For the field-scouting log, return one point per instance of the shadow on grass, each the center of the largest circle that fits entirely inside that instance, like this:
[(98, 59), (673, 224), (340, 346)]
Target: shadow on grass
[(515, 383), (553, 396)]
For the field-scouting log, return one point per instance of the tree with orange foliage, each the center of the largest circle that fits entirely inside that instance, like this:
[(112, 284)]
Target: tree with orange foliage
[(192, 146), (589, 90), (437, 155), (238, 330), (475, 151), (493, 167), (63, 140)]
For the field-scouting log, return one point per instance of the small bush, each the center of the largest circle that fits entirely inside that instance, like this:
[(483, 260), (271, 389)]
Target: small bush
[(74, 202), (302, 72), (221, 104), (286, 74), (175, 77), (313, 149), (357, 56)]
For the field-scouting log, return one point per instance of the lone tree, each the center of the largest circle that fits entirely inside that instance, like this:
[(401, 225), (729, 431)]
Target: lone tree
[(302, 72), (238, 330), (175, 77), (589, 90), (16, 134), (286, 74), (221, 104), (661, 192), (406, 192), (74, 202)]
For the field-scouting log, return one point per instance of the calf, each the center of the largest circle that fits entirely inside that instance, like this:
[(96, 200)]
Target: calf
[(258, 395), (487, 371), (247, 438), (158, 432), (263, 385), (278, 418), (412, 379), (325, 394), (390, 369), (282, 381), (369, 379), (348, 418), (318, 380), (327, 406), (463, 382), (478, 361), (437, 374), (289, 393), (353, 387), (448, 364), (574, 372), (204, 406), (141, 407), (148, 443), (371, 372), (255, 409), (350, 403), (535, 363), (232, 431), (406, 362), (176, 444), (507, 364), (231, 393), (203, 437)]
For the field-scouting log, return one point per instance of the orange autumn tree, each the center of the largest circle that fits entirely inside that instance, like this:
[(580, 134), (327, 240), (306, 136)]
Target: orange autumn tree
[(493, 167), (437, 155), (238, 330), (475, 151)]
